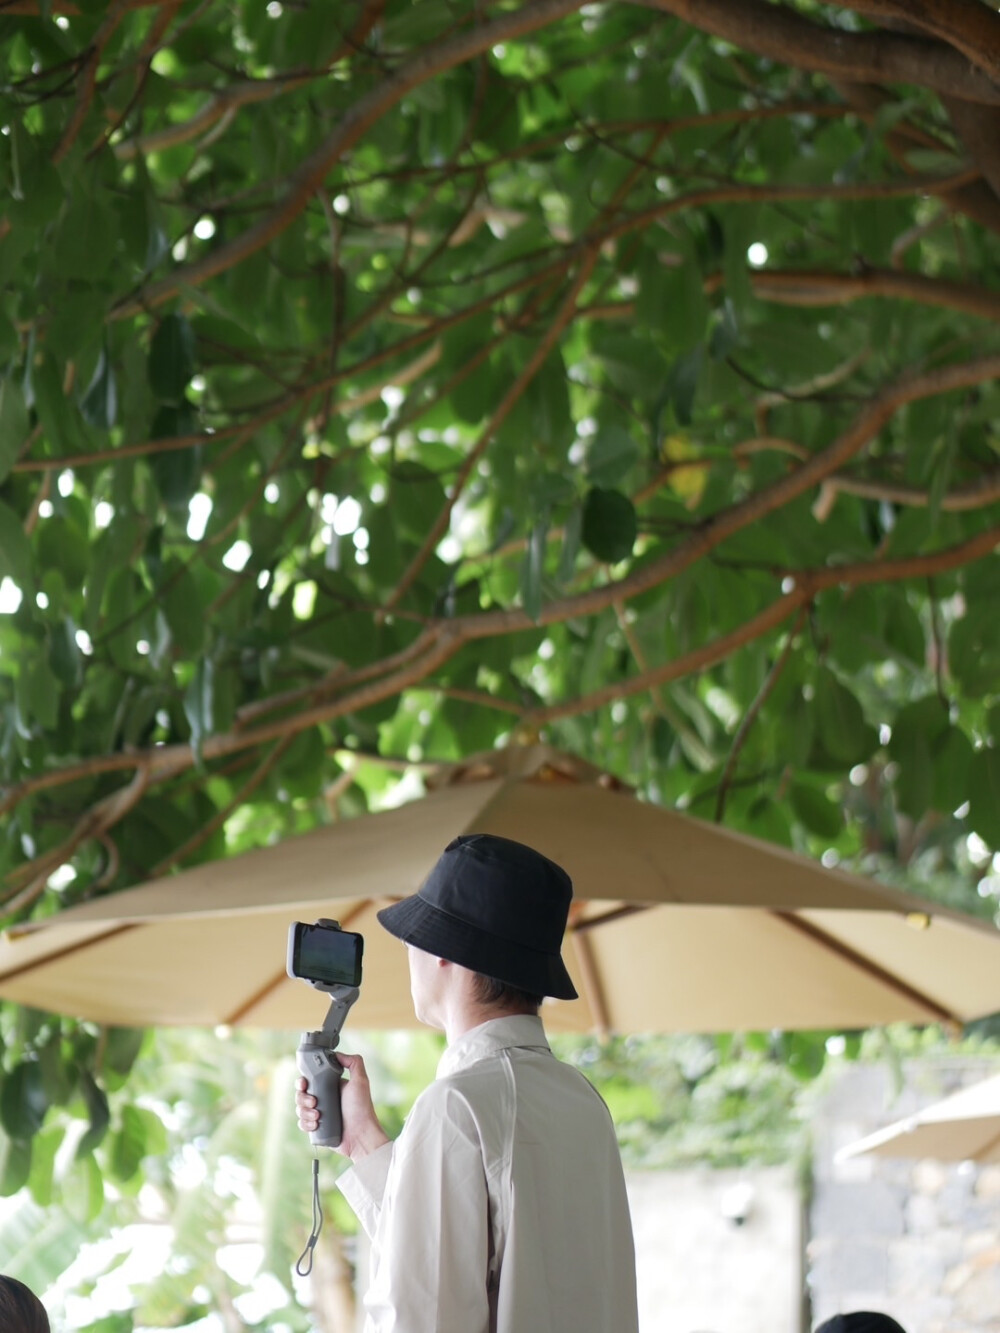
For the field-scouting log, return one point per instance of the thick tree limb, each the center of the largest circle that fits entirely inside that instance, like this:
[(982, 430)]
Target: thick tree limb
[(166, 763), (810, 289), (968, 25), (978, 128), (808, 584), (779, 33)]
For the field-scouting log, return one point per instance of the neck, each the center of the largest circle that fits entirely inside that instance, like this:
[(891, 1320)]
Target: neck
[(465, 1017)]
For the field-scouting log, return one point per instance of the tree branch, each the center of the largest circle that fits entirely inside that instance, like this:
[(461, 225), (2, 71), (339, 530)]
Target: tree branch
[(808, 584), (750, 716), (506, 405), (779, 33), (968, 25), (443, 638), (87, 79), (366, 111)]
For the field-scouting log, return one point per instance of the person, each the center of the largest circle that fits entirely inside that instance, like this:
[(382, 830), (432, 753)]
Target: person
[(20, 1309), (861, 1321), (501, 1206)]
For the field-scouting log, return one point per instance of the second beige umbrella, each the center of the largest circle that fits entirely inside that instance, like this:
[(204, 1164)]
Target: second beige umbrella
[(678, 925), (964, 1127)]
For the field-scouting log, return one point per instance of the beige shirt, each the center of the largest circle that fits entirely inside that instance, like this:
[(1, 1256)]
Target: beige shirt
[(501, 1207)]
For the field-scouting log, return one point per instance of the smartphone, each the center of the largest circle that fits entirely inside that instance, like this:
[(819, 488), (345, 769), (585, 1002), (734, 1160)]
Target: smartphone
[(324, 954)]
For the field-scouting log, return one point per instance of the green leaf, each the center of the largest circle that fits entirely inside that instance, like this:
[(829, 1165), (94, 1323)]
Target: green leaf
[(61, 422), (23, 1100), (984, 795), (15, 549), (83, 1189), (100, 402), (609, 524), (611, 455), (181, 602), (85, 238), (15, 1166), (915, 734), (532, 568), (41, 1178), (37, 694), (840, 722), (177, 471), (13, 423), (573, 531), (816, 811), (952, 757), (684, 376), (172, 360), (127, 1145), (98, 1113), (62, 546), (65, 658), (198, 702)]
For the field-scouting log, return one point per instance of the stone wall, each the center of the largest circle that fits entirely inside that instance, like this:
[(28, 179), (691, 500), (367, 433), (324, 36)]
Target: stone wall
[(919, 1240)]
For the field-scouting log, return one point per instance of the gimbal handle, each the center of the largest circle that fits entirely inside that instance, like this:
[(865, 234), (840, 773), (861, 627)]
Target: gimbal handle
[(322, 1070)]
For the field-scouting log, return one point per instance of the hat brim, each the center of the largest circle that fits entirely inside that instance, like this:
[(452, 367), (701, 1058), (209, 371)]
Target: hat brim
[(417, 922)]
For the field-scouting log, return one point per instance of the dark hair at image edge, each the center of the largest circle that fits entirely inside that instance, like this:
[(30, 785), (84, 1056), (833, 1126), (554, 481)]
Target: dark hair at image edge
[(861, 1321), (20, 1309)]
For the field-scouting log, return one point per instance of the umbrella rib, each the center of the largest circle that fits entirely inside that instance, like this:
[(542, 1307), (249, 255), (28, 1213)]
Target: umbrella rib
[(12, 973), (613, 914), (984, 1151), (880, 974), (591, 983), (251, 1003), (239, 1013)]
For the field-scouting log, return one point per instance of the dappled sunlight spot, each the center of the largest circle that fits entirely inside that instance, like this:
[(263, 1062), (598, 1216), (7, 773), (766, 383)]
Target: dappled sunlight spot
[(10, 596), (237, 556), (304, 600), (347, 516), (62, 877), (199, 512)]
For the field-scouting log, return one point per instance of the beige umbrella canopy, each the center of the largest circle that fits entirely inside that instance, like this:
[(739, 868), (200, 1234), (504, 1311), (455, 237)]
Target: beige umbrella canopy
[(962, 1128), (678, 925)]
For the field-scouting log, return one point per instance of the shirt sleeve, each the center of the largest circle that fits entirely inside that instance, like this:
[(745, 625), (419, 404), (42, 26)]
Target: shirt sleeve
[(430, 1255), (363, 1186)]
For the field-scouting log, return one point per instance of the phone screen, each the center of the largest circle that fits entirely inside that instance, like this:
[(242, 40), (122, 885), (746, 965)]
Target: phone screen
[(321, 953)]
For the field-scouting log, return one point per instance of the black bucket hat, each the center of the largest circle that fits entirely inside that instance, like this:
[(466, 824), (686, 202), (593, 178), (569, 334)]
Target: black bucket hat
[(494, 906)]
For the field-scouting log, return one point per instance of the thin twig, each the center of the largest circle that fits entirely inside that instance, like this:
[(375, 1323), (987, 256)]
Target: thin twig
[(749, 717)]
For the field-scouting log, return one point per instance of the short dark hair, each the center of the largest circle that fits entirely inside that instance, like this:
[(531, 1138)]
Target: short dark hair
[(489, 990), (861, 1321), (20, 1309)]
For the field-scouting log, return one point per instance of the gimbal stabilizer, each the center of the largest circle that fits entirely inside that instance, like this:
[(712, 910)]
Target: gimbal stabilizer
[(321, 1068), (315, 1055)]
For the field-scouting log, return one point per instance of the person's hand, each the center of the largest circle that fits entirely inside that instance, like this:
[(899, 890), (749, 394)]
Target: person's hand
[(362, 1132)]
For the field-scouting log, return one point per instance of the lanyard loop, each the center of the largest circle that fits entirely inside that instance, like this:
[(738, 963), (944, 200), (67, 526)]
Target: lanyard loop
[(304, 1263)]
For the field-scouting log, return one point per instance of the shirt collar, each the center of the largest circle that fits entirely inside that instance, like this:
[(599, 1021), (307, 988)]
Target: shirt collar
[(488, 1039)]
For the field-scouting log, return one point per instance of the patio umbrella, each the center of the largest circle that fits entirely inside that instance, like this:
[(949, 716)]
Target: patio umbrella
[(964, 1127), (678, 925)]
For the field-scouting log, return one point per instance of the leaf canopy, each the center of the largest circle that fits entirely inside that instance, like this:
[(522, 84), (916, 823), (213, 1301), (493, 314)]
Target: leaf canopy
[(384, 382)]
